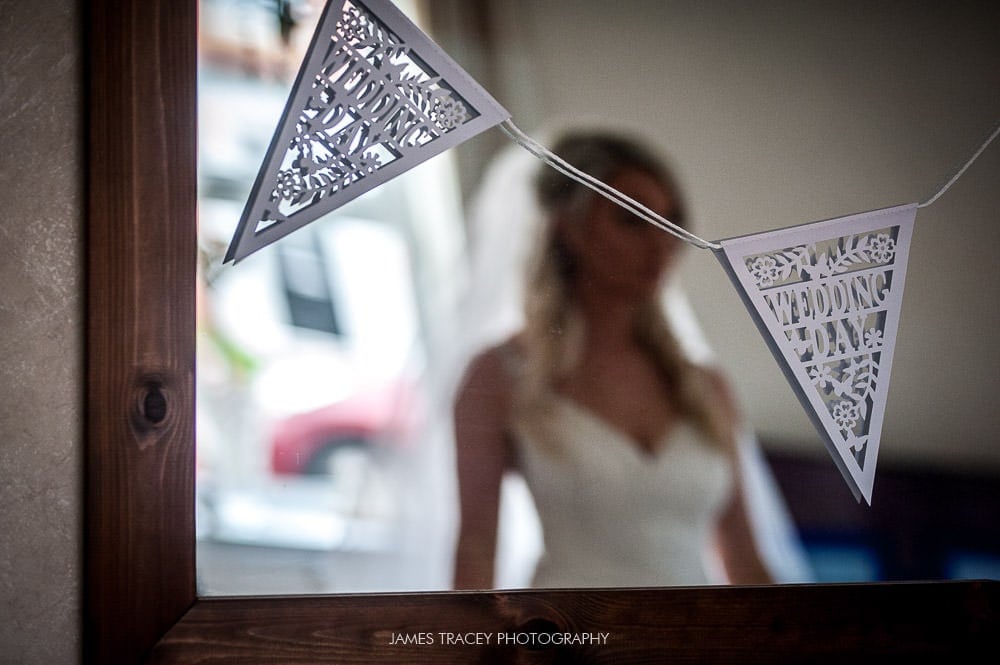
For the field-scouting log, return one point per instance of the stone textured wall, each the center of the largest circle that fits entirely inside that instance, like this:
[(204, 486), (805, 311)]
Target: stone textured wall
[(41, 225)]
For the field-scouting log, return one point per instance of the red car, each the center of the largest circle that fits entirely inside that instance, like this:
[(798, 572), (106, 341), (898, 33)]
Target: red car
[(307, 443)]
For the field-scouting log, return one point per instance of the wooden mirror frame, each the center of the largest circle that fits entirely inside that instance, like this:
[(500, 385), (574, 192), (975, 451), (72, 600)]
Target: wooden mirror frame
[(141, 602)]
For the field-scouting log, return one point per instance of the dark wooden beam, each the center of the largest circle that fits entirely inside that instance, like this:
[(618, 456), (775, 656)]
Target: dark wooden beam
[(141, 246)]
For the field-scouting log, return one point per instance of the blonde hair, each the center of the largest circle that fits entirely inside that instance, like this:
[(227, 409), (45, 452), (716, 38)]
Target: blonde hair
[(552, 337)]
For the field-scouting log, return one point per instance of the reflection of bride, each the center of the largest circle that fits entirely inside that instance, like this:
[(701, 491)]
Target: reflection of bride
[(629, 447)]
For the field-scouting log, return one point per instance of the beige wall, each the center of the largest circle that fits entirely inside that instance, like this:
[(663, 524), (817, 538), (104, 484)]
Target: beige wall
[(783, 112), (41, 176)]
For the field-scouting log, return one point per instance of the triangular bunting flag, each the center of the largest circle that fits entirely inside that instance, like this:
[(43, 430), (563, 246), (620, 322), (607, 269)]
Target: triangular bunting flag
[(373, 98), (826, 297)]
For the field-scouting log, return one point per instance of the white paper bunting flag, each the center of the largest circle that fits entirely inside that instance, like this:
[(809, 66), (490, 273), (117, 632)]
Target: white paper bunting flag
[(826, 297), (374, 97)]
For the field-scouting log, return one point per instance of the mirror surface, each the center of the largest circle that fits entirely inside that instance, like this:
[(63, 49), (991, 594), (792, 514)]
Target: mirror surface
[(320, 449), (327, 362)]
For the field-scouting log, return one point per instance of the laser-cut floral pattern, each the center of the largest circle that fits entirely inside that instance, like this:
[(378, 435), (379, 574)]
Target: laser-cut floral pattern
[(828, 297), (822, 260), (373, 99)]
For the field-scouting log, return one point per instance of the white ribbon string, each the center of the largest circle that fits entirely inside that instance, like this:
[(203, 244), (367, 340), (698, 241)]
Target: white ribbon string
[(605, 190), (636, 208), (962, 170)]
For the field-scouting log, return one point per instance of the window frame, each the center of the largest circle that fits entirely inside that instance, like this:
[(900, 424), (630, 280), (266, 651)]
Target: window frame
[(140, 595)]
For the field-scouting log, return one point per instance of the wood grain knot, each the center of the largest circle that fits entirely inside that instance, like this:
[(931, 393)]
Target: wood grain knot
[(154, 405), (151, 410)]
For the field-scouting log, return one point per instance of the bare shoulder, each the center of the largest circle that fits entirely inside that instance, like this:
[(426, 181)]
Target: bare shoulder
[(720, 391), (489, 375)]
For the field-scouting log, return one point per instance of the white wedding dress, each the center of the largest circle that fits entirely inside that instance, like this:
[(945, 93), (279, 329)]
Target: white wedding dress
[(592, 504), (613, 515)]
